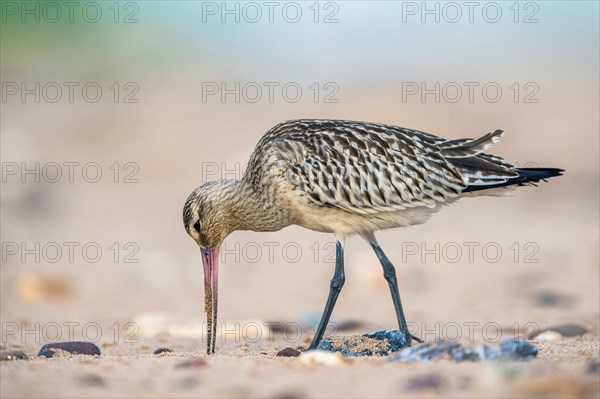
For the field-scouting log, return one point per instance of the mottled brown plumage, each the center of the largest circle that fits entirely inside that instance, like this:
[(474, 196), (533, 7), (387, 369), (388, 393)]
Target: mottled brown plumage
[(348, 177)]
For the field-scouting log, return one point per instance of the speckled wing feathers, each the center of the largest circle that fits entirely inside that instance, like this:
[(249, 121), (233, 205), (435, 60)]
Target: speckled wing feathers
[(367, 168)]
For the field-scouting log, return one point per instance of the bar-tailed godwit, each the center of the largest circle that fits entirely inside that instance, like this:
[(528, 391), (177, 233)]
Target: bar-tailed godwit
[(344, 177)]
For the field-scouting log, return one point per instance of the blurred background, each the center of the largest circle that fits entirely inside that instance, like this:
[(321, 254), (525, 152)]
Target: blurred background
[(159, 97)]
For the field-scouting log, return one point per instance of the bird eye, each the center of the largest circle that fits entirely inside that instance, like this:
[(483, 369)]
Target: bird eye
[(197, 226)]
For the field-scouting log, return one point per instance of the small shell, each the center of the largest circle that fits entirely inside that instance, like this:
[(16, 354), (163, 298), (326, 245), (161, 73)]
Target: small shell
[(549, 336), (315, 357)]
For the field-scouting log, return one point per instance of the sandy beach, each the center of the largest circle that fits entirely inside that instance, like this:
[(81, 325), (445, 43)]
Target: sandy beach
[(94, 249)]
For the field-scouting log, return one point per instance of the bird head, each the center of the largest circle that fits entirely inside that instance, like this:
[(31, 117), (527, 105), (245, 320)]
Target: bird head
[(205, 216), (205, 219)]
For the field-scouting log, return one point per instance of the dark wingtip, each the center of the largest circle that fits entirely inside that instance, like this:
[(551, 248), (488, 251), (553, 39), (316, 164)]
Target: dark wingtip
[(536, 174), (526, 176)]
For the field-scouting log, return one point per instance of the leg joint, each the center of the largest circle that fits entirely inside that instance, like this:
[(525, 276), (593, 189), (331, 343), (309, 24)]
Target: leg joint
[(389, 272), (337, 282)]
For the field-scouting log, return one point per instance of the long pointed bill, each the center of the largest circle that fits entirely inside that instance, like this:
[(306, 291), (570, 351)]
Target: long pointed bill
[(210, 261)]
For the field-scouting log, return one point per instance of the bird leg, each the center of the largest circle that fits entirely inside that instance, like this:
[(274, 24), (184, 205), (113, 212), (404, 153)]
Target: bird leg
[(337, 282), (389, 272)]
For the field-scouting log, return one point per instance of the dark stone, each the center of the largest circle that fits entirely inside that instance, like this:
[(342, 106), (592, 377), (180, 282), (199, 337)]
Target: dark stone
[(13, 355), (514, 349), (75, 348), (191, 364), (510, 349), (426, 381), (566, 330), (162, 350), (593, 367), (289, 352), (380, 343), (552, 299), (91, 380)]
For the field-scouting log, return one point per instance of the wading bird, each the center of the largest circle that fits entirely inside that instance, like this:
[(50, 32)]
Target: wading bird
[(344, 177)]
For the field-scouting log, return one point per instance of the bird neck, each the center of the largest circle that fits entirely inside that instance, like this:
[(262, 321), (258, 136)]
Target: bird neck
[(249, 209)]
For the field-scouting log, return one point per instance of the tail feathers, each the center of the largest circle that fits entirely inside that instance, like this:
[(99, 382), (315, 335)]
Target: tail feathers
[(526, 176), (465, 148), (496, 160), (484, 171)]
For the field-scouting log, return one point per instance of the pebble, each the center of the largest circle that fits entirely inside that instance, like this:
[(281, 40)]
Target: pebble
[(380, 343), (510, 349), (289, 352), (565, 330), (74, 348), (191, 364), (13, 355), (593, 367), (319, 357), (91, 380), (162, 350), (552, 299), (424, 382)]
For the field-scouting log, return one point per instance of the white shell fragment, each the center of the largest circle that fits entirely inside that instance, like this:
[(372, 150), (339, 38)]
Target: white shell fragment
[(317, 357)]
